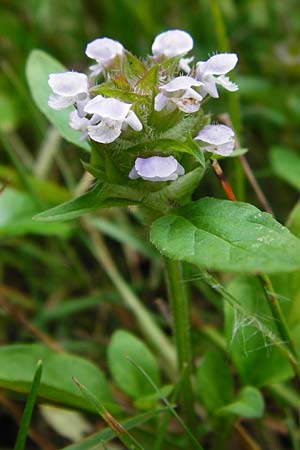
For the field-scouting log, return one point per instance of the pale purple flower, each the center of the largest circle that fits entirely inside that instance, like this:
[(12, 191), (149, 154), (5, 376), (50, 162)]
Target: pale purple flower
[(179, 93), (69, 88), (104, 51), (217, 139), (156, 168), (109, 117), (213, 72), (172, 43)]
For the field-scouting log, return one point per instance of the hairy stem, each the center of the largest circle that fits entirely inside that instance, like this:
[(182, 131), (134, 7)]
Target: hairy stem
[(181, 328)]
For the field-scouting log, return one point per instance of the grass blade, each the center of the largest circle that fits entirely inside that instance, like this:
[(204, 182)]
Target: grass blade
[(121, 432), (26, 418), (107, 434), (196, 444)]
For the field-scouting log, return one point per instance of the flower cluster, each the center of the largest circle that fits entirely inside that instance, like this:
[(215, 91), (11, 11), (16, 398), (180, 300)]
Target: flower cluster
[(125, 101)]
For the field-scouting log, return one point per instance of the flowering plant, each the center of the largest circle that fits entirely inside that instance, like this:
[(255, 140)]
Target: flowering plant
[(144, 119), (150, 143)]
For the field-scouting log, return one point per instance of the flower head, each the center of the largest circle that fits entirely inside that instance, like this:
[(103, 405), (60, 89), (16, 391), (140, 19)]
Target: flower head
[(220, 65), (156, 168), (172, 43), (109, 117), (217, 139), (179, 93), (68, 88), (104, 51)]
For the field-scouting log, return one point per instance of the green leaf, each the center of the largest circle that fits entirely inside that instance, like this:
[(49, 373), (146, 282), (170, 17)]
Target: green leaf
[(147, 84), (227, 236), (286, 165), (134, 69), (16, 211), (214, 381), (257, 359), (149, 401), (293, 221), (125, 375), (17, 367), (97, 198), (26, 418), (39, 66), (249, 403)]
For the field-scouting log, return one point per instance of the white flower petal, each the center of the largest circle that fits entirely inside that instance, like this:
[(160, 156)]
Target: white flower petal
[(59, 102), (210, 87), (106, 131), (109, 108), (68, 84), (227, 83), (160, 102), (180, 83), (133, 175), (104, 50), (133, 121), (215, 134), (157, 168), (220, 64), (172, 43), (78, 123), (184, 64)]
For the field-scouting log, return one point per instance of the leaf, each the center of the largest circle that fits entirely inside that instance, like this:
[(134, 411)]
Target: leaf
[(249, 403), (126, 377), (26, 418), (39, 66), (286, 165), (148, 84), (95, 199), (133, 67), (257, 360), (16, 211), (17, 366), (227, 236), (214, 381)]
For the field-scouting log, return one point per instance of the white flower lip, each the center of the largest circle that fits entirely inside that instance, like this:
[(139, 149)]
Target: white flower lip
[(217, 139), (109, 108), (68, 84), (68, 88), (213, 72), (218, 64), (172, 43), (179, 93), (104, 50), (109, 117), (157, 168), (180, 83)]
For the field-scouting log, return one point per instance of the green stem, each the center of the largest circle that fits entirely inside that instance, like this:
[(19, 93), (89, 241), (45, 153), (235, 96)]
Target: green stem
[(181, 327)]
